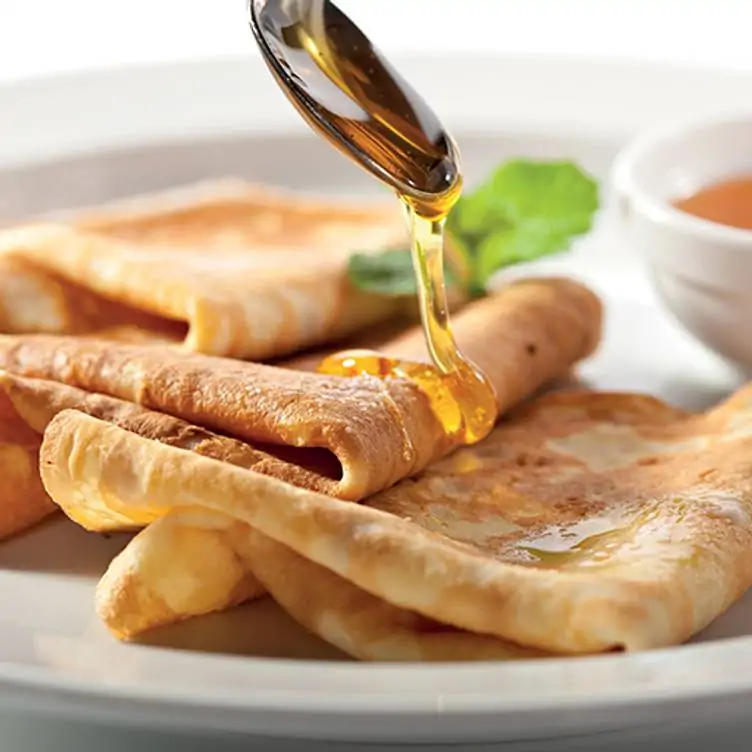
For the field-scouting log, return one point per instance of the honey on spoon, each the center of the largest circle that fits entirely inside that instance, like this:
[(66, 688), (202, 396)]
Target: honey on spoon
[(349, 94)]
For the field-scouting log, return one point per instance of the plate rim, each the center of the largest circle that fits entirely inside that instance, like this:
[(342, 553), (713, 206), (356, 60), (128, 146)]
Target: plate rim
[(575, 85), (169, 88)]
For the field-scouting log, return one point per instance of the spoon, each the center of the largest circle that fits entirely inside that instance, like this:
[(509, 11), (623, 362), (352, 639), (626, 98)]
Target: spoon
[(349, 93)]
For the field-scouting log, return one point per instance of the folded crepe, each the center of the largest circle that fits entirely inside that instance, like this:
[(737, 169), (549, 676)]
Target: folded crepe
[(192, 562), (346, 437), (229, 269), (339, 447), (586, 522)]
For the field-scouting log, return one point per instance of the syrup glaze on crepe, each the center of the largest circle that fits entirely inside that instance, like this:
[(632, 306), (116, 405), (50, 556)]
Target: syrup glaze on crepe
[(373, 432), (355, 99), (461, 395), (650, 507)]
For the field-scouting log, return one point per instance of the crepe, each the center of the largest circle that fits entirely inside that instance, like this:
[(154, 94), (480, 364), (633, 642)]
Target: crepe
[(185, 563), (23, 500), (376, 432), (27, 406), (347, 437), (231, 269), (586, 522), (358, 623), (192, 562)]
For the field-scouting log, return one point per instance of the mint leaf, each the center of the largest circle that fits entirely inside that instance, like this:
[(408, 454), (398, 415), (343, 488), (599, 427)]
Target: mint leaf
[(388, 273), (524, 211), (525, 242), (478, 212)]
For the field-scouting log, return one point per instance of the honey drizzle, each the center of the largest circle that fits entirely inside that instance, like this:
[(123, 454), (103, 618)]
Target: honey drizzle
[(352, 96), (461, 396)]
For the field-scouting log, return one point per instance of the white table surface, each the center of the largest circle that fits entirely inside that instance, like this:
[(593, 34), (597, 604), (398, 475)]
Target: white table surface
[(46, 37)]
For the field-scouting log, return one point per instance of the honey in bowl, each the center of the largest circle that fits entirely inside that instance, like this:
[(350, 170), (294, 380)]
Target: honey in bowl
[(727, 202)]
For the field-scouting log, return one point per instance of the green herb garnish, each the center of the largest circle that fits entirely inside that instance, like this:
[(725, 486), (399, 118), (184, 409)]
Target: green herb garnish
[(389, 272), (524, 211)]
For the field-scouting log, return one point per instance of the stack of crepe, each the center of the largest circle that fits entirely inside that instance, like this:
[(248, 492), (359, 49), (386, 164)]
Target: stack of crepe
[(158, 376)]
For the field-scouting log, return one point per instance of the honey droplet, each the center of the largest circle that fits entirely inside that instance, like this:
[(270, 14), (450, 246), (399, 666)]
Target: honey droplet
[(463, 401)]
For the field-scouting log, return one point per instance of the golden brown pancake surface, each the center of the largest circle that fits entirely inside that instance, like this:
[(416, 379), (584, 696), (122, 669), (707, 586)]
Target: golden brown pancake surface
[(586, 522)]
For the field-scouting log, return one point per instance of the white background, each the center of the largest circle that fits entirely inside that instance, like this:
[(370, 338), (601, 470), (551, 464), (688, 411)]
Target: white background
[(38, 37)]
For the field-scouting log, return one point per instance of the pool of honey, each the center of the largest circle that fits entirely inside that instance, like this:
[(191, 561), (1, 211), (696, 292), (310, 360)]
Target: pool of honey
[(726, 202)]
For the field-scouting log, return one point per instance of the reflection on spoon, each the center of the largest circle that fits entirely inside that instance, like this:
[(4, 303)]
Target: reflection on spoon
[(350, 94)]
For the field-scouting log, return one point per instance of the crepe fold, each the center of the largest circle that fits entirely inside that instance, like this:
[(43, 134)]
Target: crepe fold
[(345, 437), (586, 522), (230, 269)]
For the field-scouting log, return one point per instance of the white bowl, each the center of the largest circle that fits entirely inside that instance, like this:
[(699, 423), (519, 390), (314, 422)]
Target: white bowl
[(702, 271)]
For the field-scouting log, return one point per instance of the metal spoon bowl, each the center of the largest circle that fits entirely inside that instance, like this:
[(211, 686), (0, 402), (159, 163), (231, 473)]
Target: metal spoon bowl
[(349, 93)]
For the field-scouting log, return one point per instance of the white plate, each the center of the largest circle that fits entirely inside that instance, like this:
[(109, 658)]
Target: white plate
[(253, 670)]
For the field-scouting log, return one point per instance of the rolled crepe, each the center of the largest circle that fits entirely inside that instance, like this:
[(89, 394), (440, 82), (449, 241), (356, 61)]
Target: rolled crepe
[(586, 522), (234, 269), (345, 437)]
